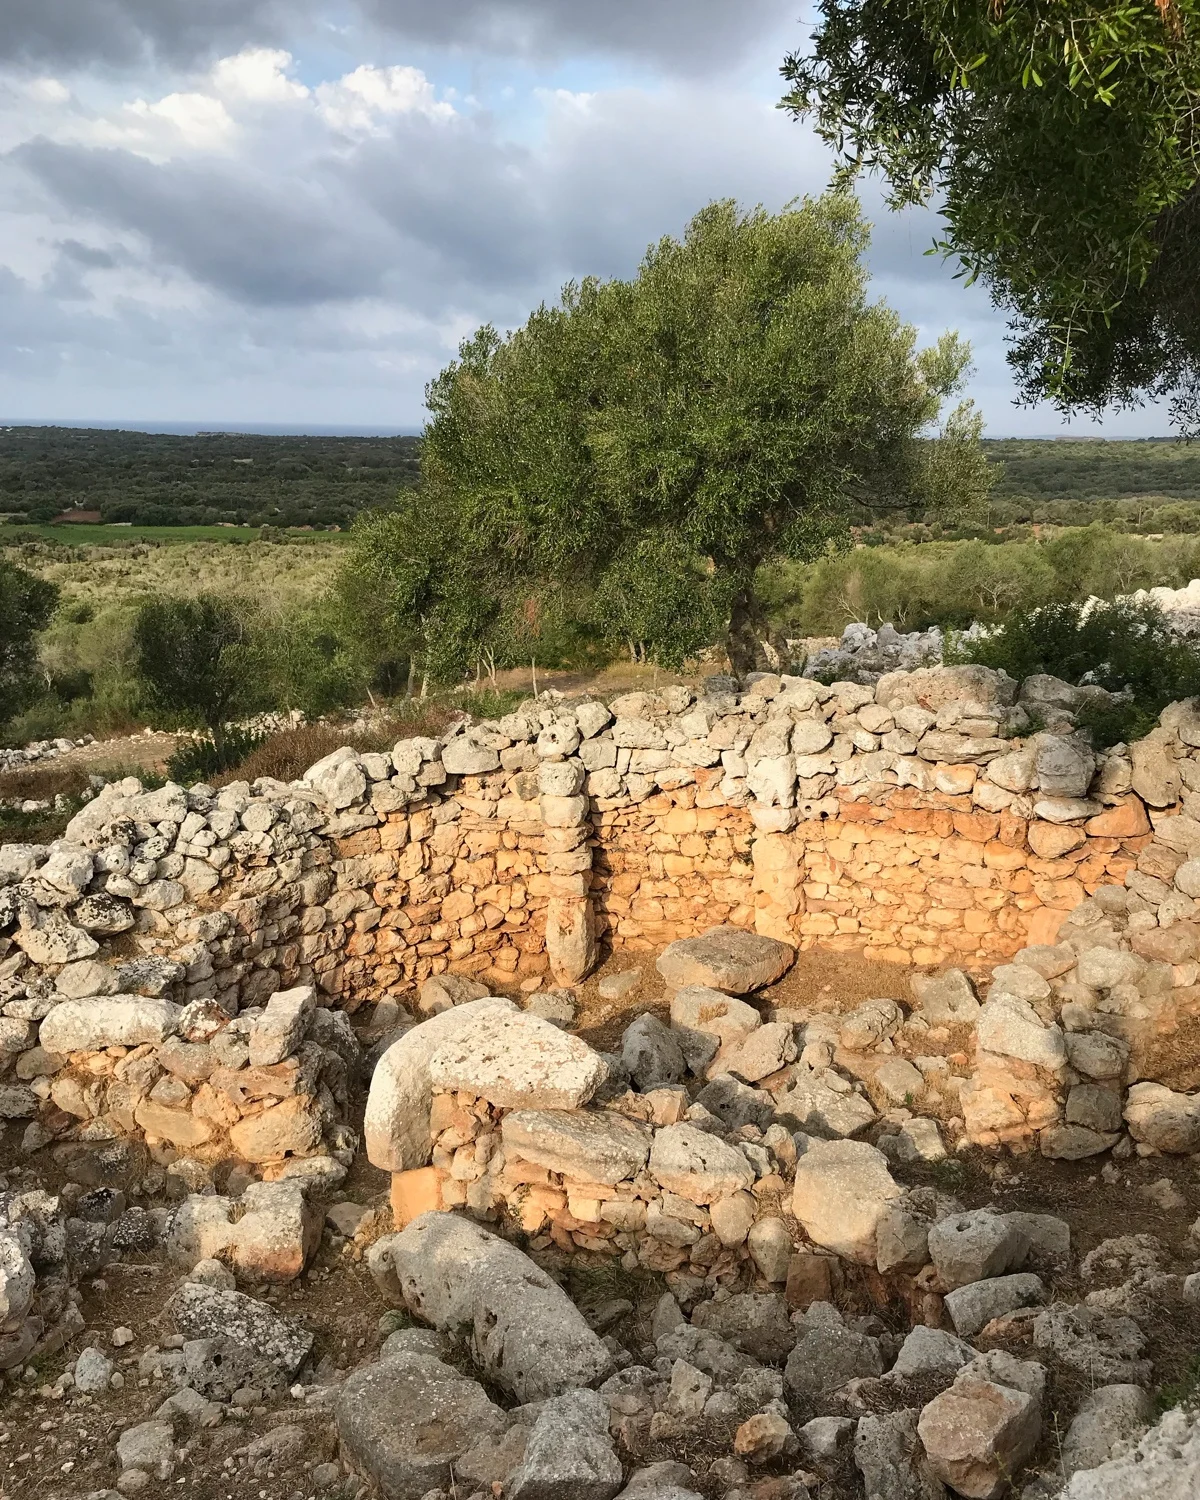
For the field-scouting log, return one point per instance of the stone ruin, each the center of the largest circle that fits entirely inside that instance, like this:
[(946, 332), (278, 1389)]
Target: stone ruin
[(195, 985)]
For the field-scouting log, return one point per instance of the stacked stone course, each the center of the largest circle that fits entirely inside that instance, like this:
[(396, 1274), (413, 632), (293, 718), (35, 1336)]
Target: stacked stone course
[(921, 820)]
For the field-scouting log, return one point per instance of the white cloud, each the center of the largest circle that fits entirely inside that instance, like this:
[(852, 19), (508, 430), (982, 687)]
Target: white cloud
[(362, 101), (226, 238), (258, 73)]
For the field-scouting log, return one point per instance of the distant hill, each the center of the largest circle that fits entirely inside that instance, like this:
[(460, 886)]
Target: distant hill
[(161, 479), (1087, 469)]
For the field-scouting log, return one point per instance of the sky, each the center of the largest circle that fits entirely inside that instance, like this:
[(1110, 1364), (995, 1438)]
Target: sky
[(291, 211)]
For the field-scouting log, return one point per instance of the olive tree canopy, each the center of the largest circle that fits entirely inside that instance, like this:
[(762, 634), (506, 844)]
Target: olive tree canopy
[(634, 453), (1062, 138)]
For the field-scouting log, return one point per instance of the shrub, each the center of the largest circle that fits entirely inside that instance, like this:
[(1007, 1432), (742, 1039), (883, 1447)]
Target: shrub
[(203, 759), (1123, 647)]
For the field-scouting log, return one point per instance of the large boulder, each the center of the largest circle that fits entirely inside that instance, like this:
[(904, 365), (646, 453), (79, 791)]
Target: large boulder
[(396, 1124), (405, 1420), (517, 1061), (524, 1330), (725, 958), (842, 1191)]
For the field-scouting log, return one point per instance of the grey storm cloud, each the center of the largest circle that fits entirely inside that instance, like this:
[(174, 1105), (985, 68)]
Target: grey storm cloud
[(250, 235), (674, 35), (115, 32)]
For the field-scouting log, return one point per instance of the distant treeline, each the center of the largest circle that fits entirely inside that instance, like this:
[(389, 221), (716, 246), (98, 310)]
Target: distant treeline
[(1081, 470), (161, 479)]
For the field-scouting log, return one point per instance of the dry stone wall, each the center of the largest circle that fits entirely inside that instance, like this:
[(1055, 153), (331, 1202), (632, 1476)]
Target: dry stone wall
[(938, 815)]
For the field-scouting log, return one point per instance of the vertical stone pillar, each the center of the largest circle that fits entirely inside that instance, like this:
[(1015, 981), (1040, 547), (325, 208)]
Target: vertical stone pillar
[(778, 873), (570, 926)]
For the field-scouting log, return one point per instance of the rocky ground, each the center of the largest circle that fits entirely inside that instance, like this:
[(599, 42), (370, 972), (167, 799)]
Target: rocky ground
[(1052, 1323)]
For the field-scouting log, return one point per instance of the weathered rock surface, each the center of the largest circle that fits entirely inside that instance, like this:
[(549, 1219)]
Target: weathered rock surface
[(725, 958), (114, 1021), (202, 1312), (524, 1330), (590, 1146), (842, 1190), (978, 1434), (1107, 1416), (517, 1061), (569, 1454), (698, 1166), (404, 1421), (396, 1124)]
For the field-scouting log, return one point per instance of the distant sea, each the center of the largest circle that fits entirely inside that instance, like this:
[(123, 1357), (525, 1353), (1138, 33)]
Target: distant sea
[(189, 429)]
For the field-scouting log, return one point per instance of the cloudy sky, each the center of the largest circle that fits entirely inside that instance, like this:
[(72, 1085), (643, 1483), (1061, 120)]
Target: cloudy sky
[(290, 211)]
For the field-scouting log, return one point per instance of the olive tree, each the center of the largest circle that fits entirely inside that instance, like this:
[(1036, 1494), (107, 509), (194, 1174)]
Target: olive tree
[(194, 662), (730, 405)]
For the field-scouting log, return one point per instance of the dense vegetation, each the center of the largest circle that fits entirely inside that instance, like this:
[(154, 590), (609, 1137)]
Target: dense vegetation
[(157, 479), (1079, 469), (631, 457), (1061, 140)]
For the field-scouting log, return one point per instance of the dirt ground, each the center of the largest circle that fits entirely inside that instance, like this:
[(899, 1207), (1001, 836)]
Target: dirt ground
[(56, 1446)]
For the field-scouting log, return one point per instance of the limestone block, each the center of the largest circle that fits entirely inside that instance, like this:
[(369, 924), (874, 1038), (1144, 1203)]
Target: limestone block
[(587, 1145), (696, 1165), (515, 1060), (396, 1124), (524, 1329), (842, 1189)]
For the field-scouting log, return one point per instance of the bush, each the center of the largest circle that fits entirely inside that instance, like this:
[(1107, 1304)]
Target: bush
[(1123, 647), (203, 759)]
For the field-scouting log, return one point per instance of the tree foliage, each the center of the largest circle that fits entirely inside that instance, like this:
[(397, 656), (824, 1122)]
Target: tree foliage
[(194, 662), (633, 454), (26, 604), (1063, 138)]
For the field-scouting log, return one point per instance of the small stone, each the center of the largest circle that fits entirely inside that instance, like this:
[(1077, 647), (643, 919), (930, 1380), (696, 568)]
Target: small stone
[(121, 1336), (770, 1244), (93, 1371), (617, 986), (763, 1437)]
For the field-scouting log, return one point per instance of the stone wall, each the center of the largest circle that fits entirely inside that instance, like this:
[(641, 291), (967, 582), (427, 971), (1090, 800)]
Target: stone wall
[(920, 819)]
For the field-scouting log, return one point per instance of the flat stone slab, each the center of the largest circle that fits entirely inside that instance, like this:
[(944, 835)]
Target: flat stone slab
[(725, 958), (591, 1146), (113, 1021), (518, 1061)]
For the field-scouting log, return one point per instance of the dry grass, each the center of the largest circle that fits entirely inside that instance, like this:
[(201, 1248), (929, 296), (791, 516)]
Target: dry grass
[(287, 755), (42, 783)]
